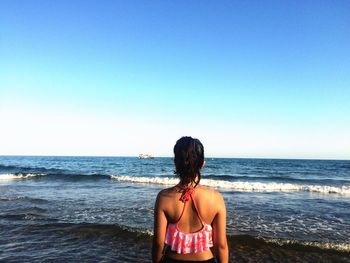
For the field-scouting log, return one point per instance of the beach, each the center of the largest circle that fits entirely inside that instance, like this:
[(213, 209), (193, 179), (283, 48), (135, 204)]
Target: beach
[(100, 209)]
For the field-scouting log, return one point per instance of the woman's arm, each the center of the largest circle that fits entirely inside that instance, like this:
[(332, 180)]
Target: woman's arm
[(160, 223), (219, 231)]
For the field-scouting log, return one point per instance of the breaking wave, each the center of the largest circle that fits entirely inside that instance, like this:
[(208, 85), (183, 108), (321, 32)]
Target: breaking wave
[(10, 177), (341, 247), (243, 186)]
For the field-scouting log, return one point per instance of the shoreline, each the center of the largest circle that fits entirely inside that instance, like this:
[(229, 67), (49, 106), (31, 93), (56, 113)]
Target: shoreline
[(111, 243)]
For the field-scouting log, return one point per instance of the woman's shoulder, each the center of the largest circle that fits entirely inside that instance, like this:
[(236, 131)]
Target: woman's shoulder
[(210, 192), (166, 193), (208, 189), (165, 197)]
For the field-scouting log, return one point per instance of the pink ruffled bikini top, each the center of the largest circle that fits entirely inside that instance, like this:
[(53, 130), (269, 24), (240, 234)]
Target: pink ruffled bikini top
[(185, 243)]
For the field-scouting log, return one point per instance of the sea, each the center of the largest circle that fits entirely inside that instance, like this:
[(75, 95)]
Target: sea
[(100, 209)]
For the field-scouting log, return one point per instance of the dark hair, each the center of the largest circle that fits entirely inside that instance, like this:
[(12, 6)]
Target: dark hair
[(189, 159)]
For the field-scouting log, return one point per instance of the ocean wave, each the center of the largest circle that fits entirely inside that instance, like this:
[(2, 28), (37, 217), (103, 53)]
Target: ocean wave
[(60, 176), (7, 167), (27, 217), (285, 178), (23, 199), (146, 180), (16, 176), (341, 247), (130, 233), (301, 245), (28, 169), (241, 185)]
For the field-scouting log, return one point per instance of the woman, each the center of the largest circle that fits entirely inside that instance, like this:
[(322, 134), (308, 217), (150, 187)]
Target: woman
[(189, 219)]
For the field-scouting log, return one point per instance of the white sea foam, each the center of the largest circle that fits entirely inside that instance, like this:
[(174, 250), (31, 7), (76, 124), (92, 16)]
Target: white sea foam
[(146, 180), (148, 232), (343, 247), (242, 186), (10, 177)]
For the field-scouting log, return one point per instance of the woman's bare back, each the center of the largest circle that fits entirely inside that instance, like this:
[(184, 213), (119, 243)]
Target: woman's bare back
[(190, 222), (207, 201)]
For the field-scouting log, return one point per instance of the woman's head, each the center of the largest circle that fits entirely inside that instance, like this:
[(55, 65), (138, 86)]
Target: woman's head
[(189, 159)]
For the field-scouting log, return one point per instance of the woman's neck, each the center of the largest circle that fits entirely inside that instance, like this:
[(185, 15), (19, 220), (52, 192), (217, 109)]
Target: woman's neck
[(188, 185)]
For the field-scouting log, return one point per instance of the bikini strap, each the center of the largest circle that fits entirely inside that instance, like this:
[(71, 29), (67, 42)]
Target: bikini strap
[(187, 195), (183, 210), (195, 206)]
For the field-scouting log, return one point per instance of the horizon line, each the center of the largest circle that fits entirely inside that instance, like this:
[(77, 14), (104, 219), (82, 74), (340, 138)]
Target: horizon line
[(163, 156)]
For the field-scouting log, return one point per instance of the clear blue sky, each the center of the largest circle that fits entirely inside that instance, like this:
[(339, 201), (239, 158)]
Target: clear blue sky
[(248, 78)]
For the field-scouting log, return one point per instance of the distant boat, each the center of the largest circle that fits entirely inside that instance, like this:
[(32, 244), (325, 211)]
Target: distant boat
[(145, 156)]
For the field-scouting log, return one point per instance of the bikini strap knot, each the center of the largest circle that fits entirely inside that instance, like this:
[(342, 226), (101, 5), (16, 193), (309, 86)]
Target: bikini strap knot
[(187, 194)]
